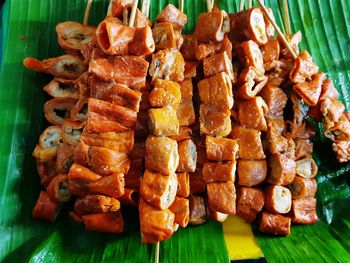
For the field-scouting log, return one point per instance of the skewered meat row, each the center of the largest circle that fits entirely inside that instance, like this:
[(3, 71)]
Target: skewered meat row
[(161, 212)]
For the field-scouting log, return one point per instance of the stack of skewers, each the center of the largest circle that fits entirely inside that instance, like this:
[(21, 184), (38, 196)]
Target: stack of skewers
[(190, 108)]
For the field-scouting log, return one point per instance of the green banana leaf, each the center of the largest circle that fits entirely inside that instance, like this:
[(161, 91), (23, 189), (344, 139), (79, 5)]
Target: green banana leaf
[(28, 29)]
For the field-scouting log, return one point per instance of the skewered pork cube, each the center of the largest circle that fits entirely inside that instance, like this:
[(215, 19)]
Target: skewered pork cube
[(47, 171), (134, 176), (58, 110), (304, 211), (310, 91), (46, 208), (219, 172), (65, 157), (254, 23), (71, 132), (67, 66), (183, 184), (250, 55), (342, 150), (104, 161), (165, 93), (116, 7), (306, 168), (278, 199), (209, 49), (250, 201), (173, 15), (250, 83), (221, 149), (111, 222), (340, 131), (218, 63), (303, 148), (283, 169), (80, 110), (118, 94), (161, 155), (275, 99), (49, 140), (331, 110), (72, 36), (303, 187), (156, 225), (251, 172), (214, 121), (120, 142), (185, 133), (197, 184), (280, 73), (197, 210), (212, 26), (128, 70), (163, 121), (275, 224), (190, 69), (270, 52), (158, 189), (104, 116), (164, 36), (63, 88), (222, 197), (189, 46), (252, 197), (57, 190), (328, 90), (181, 210), (251, 113), (217, 91), (303, 68), (143, 42), (188, 156), (249, 143), (82, 181), (277, 142), (186, 88), (92, 204), (185, 113), (167, 64)]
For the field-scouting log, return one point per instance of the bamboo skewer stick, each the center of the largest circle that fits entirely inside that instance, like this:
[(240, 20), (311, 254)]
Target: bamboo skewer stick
[(133, 13), (283, 38), (145, 7), (209, 6), (87, 12), (250, 4), (156, 257), (241, 5), (286, 18), (212, 4), (181, 6)]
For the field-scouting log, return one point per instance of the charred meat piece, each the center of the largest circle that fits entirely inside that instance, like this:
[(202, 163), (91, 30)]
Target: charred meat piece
[(188, 156), (46, 208), (92, 204), (197, 210), (221, 149), (214, 121), (181, 210), (111, 222), (283, 169), (251, 113), (66, 88), (49, 141), (165, 93), (174, 16), (303, 187), (303, 68)]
